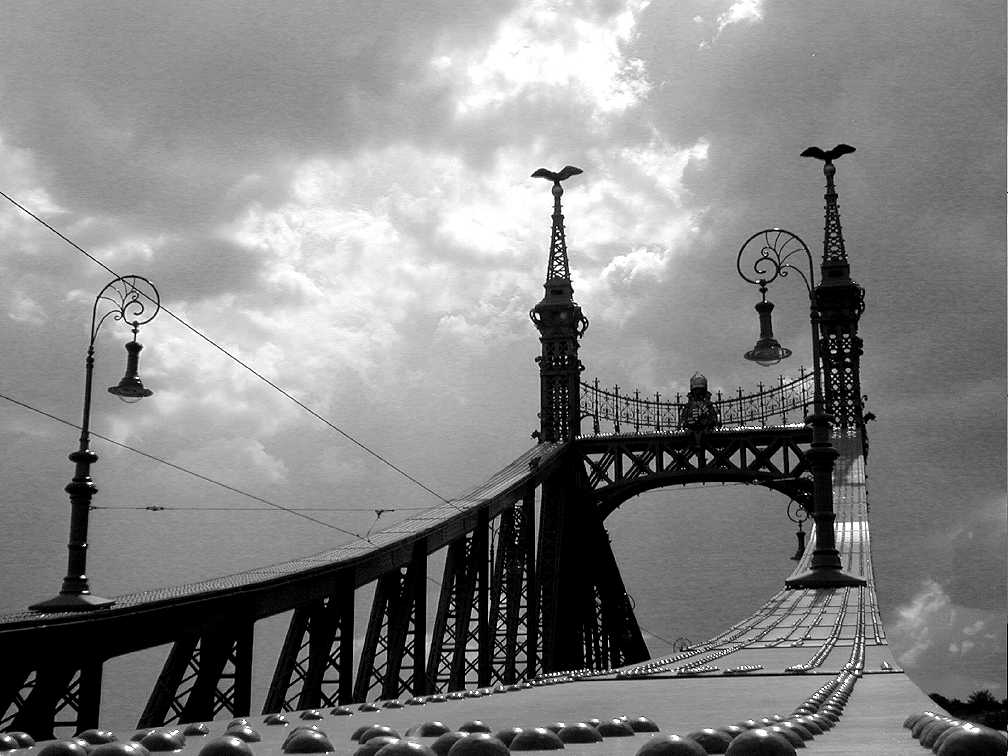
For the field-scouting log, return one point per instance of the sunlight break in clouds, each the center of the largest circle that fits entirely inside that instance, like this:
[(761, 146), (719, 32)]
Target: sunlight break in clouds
[(742, 10), (912, 634), (540, 48)]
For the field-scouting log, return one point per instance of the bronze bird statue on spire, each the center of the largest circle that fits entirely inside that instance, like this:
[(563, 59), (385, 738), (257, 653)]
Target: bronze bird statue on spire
[(828, 156), (556, 178)]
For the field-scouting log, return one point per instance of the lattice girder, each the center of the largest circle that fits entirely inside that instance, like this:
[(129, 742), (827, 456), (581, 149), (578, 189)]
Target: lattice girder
[(396, 633), (34, 694), (315, 666), (461, 643), (615, 468), (513, 609), (204, 676)]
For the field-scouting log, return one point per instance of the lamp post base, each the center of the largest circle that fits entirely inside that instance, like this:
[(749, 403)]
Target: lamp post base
[(72, 602), (828, 577)]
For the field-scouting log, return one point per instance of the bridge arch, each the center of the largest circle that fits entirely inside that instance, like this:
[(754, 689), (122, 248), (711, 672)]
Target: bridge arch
[(617, 468)]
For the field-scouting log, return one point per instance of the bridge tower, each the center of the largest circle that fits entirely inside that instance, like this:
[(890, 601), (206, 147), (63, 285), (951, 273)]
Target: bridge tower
[(561, 324), (587, 616), (840, 302)]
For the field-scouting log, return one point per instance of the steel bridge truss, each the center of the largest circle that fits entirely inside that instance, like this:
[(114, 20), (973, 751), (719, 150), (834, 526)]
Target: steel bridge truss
[(617, 468), (203, 676), (529, 585)]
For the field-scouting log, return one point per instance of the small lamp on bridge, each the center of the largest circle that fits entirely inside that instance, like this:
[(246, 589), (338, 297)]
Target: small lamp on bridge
[(131, 389), (768, 351)]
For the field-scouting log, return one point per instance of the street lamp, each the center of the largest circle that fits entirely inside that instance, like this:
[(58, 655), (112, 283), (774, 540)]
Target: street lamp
[(135, 301), (773, 253)]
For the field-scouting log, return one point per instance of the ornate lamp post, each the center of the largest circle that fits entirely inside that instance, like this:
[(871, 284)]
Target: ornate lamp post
[(772, 251), (134, 300)]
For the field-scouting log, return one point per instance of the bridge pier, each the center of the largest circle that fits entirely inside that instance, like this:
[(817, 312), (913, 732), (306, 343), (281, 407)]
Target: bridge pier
[(322, 629), (587, 617)]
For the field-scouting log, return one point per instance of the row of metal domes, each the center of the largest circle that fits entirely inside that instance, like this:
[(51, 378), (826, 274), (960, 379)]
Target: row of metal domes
[(947, 736)]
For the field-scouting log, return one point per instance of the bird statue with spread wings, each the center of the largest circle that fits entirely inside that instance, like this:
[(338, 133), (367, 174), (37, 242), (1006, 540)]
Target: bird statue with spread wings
[(556, 178), (828, 156)]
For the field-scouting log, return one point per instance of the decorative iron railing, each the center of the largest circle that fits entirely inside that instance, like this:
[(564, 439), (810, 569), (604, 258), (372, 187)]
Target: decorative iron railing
[(613, 411)]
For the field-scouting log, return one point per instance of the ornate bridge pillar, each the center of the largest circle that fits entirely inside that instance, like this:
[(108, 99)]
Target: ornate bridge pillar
[(840, 302), (561, 324)]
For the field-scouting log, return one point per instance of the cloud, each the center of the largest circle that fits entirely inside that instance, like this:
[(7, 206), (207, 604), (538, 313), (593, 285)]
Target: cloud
[(945, 646), (541, 51), (917, 623), (741, 11)]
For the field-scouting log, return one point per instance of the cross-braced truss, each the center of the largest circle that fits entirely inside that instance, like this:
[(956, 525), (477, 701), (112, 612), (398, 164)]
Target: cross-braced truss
[(34, 697), (514, 607), (203, 676), (315, 666), (396, 635), (455, 658), (619, 467)]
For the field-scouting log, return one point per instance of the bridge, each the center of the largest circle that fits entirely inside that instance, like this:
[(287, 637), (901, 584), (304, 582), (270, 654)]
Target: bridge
[(533, 624)]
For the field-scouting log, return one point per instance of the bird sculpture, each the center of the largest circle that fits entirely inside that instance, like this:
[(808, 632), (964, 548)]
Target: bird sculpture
[(556, 178), (828, 156)]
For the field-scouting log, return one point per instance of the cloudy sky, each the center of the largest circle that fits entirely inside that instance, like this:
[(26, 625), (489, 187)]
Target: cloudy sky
[(339, 194)]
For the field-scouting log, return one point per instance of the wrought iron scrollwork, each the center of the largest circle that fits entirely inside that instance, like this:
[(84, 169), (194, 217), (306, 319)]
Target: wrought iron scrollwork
[(769, 253), (635, 412), (133, 299)]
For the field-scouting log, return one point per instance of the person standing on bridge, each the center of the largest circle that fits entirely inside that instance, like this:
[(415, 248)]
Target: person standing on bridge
[(699, 414)]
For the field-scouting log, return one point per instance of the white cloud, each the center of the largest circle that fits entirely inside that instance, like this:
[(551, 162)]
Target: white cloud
[(913, 633), (932, 624), (24, 309), (542, 47), (741, 11)]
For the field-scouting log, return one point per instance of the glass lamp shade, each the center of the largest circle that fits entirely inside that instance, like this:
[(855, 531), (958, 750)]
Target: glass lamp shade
[(767, 352)]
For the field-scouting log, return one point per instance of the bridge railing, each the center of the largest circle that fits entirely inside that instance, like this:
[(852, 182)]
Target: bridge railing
[(614, 411)]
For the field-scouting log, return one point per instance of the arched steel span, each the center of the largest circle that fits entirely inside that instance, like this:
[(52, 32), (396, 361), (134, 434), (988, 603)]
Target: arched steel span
[(619, 467)]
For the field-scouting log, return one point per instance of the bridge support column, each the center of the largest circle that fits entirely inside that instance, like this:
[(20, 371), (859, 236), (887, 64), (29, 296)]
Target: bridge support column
[(399, 604), (203, 663), (319, 642), (58, 685), (586, 612), (514, 595)]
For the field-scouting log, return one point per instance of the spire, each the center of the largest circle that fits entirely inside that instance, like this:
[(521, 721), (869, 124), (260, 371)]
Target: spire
[(833, 246), (835, 268), (558, 268)]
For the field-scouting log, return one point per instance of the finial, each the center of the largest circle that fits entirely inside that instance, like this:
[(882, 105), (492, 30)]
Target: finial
[(558, 268), (835, 264)]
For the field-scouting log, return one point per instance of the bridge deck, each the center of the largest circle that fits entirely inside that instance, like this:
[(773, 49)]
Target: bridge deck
[(871, 724)]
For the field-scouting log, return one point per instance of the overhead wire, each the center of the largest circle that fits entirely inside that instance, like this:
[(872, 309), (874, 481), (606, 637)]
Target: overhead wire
[(248, 367), (180, 468)]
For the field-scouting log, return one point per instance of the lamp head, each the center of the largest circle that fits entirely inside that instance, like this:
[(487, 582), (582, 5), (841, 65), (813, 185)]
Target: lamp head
[(768, 350), (131, 388)]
